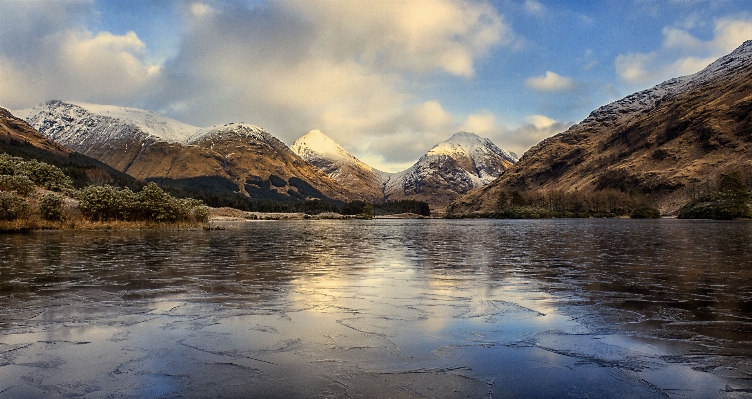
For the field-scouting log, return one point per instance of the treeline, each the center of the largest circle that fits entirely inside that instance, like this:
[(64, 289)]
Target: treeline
[(243, 203), (386, 208), (295, 205), (33, 191), (541, 204), (558, 203), (730, 200)]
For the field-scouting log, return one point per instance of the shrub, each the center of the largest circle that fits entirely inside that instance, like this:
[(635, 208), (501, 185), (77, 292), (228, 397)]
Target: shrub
[(45, 175), (367, 212), (715, 206), (193, 210), (12, 206), (51, 207), (20, 184), (731, 201), (156, 205), (107, 203), (645, 212), (8, 164), (40, 173), (150, 204)]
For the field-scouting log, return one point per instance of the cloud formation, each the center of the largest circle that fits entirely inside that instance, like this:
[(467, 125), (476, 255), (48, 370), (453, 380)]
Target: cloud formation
[(45, 56), (550, 82), (347, 68), (682, 53), (338, 66)]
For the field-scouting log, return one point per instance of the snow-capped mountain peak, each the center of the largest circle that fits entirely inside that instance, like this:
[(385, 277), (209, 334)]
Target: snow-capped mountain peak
[(318, 149), (228, 130), (463, 162), (316, 142), (469, 144)]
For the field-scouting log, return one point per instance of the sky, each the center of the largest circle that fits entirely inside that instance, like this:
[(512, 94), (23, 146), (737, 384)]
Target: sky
[(386, 79)]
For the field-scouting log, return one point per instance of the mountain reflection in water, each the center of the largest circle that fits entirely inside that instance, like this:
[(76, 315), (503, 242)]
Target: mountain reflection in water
[(384, 308)]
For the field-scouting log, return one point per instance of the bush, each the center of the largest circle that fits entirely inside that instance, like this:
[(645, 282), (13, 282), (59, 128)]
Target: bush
[(715, 206), (20, 184), (193, 210), (367, 212), (156, 205), (107, 203), (645, 212), (12, 206), (45, 175), (51, 207), (8, 164), (731, 201), (150, 204), (40, 173)]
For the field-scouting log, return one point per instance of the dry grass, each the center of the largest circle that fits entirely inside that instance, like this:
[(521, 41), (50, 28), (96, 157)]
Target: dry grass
[(30, 224), (226, 212)]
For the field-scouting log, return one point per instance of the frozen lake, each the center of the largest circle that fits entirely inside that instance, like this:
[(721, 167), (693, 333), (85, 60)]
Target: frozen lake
[(381, 309)]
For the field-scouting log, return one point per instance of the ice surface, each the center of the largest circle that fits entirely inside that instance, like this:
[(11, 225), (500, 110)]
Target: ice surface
[(384, 308)]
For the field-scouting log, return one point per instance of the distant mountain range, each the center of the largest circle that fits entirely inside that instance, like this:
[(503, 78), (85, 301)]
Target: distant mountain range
[(242, 158), (463, 162), (665, 143)]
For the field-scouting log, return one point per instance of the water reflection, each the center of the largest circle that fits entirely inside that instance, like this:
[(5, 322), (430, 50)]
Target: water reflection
[(616, 308)]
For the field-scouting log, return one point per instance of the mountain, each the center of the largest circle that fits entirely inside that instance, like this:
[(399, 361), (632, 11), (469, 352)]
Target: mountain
[(20, 139), (324, 153), (230, 158), (666, 143), (451, 168)]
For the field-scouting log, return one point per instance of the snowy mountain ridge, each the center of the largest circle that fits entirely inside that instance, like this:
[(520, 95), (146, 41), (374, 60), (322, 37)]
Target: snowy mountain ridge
[(324, 153), (645, 100), (463, 162), (74, 123)]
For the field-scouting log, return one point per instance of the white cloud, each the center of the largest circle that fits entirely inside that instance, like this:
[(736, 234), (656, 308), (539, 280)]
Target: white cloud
[(481, 124), (538, 128), (534, 7), (415, 36), (46, 53), (682, 53), (540, 121), (549, 82)]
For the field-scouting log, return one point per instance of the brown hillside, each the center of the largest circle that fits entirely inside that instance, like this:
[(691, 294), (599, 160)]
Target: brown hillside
[(14, 129), (665, 143)]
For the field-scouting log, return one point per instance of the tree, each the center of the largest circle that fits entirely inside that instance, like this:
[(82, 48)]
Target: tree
[(367, 212), (51, 207)]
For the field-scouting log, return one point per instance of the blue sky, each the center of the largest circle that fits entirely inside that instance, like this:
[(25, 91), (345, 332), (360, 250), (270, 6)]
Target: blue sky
[(385, 79)]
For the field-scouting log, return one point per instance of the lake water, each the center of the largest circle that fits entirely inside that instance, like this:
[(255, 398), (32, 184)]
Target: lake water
[(381, 309)]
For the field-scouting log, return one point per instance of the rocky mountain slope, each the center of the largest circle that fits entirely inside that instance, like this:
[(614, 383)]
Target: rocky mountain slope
[(666, 142), (451, 168), (224, 159), (324, 153), (20, 139)]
